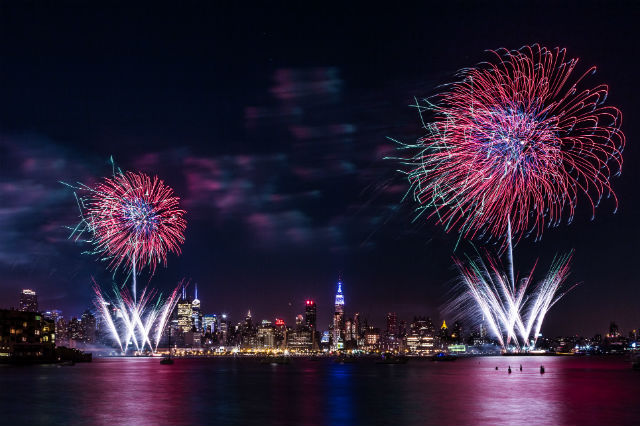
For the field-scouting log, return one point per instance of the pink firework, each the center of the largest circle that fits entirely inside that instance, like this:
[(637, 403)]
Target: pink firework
[(135, 220), (514, 143)]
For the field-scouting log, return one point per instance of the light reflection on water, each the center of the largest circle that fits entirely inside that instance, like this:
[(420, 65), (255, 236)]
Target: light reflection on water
[(229, 392)]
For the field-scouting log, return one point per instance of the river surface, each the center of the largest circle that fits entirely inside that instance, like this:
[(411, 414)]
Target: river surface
[(140, 391)]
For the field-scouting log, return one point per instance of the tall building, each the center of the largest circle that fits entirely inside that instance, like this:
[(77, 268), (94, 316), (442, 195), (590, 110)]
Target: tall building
[(185, 313), (88, 327), (60, 326), (74, 331), (357, 329), (266, 335), (392, 324), (456, 333), (210, 323), (248, 333), (338, 319), (196, 315), (420, 339), (614, 331), (248, 322), (310, 313), (391, 341), (224, 330), (28, 301)]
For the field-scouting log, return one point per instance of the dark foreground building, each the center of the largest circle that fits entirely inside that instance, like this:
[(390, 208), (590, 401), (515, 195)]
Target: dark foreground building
[(26, 335)]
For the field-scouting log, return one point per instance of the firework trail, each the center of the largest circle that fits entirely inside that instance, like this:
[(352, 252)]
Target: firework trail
[(141, 322), (513, 143), (513, 314)]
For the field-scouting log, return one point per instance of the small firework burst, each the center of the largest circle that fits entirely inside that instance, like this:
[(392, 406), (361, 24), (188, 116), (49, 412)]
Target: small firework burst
[(133, 220)]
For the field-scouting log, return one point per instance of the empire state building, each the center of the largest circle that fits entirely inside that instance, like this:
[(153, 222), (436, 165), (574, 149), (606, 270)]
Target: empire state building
[(338, 319)]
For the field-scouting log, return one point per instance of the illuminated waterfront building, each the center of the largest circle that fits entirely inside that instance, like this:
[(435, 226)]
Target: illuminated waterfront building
[(372, 338), (338, 319), (300, 340), (28, 301), (420, 339), (266, 335)]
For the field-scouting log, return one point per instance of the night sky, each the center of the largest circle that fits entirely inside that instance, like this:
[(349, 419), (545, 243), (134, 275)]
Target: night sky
[(271, 125)]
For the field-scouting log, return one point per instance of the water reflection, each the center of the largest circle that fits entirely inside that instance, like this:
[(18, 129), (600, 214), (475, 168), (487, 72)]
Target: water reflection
[(499, 397), (340, 395), (582, 391)]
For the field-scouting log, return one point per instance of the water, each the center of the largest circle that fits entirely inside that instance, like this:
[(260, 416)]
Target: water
[(574, 390)]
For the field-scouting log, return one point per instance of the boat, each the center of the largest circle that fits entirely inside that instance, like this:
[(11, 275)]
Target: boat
[(344, 359), (443, 357), (280, 359), (392, 359)]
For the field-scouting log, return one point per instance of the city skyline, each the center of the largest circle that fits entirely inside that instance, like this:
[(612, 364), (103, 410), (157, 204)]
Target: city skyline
[(307, 313)]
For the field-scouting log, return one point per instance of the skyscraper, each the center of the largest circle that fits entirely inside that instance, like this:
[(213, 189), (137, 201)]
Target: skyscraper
[(210, 323), (391, 336), (196, 315), (224, 330), (338, 319), (185, 313), (28, 301), (88, 327), (310, 312), (392, 324)]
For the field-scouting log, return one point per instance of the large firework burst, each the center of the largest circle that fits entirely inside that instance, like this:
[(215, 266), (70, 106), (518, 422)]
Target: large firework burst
[(512, 145), (134, 220)]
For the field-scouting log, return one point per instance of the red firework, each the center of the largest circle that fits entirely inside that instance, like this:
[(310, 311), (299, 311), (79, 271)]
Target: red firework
[(515, 141), (135, 220)]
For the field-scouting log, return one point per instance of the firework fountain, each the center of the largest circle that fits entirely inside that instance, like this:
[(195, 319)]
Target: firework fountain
[(512, 145), (132, 221)]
